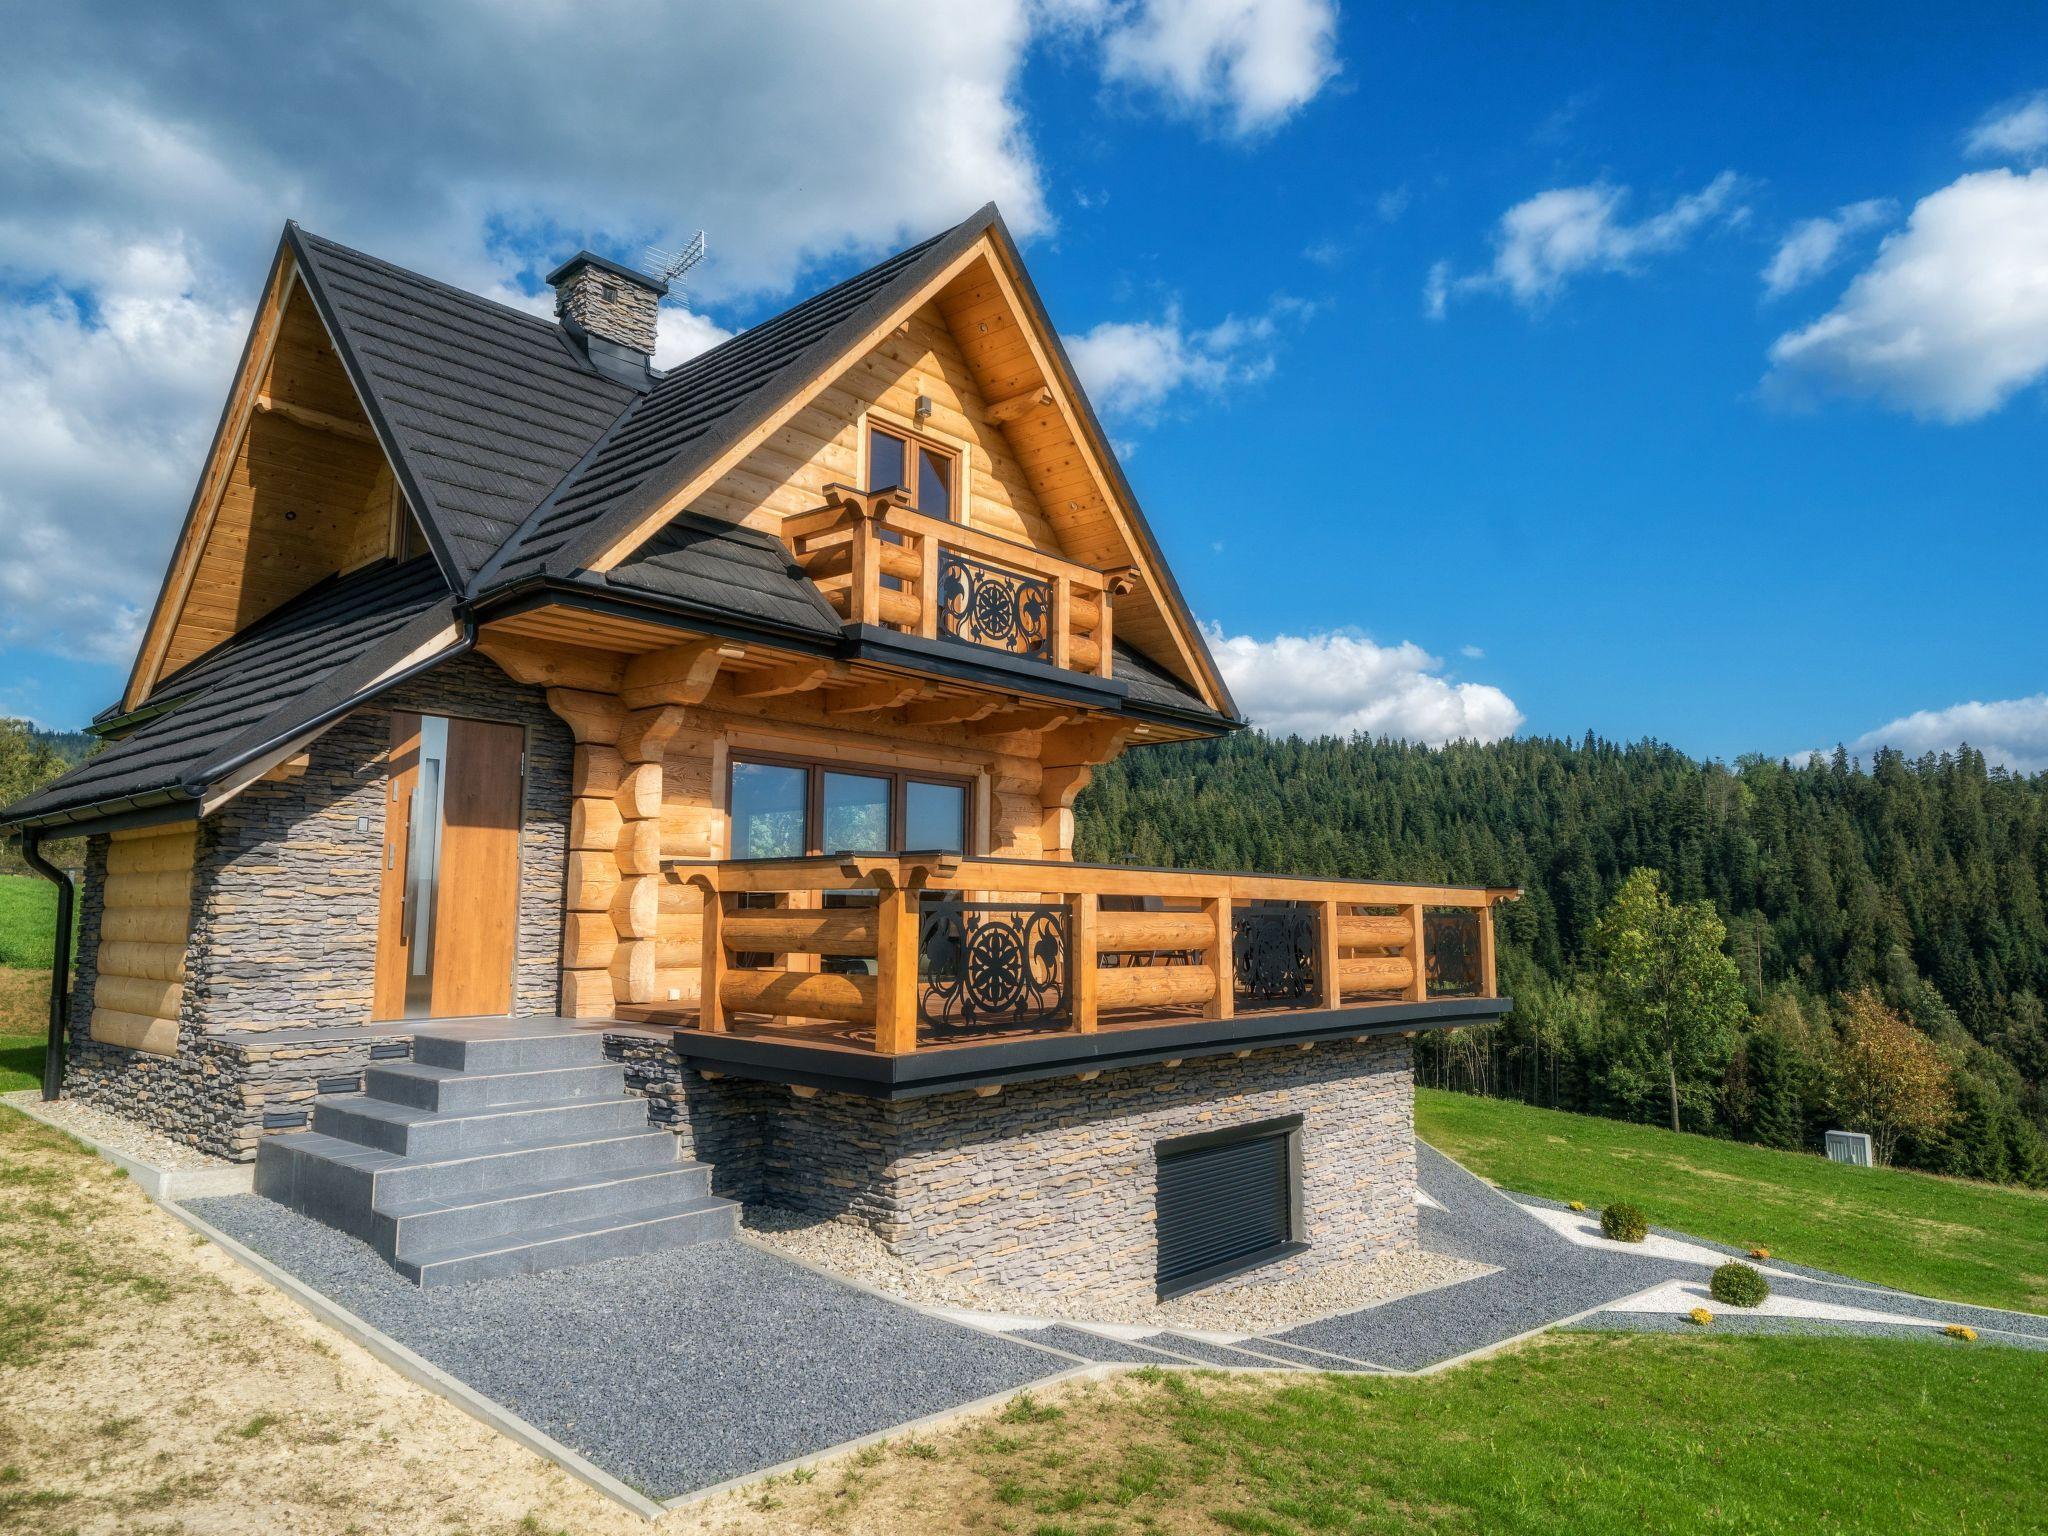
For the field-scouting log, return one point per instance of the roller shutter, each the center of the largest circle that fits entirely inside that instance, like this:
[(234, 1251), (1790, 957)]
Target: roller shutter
[(1225, 1204)]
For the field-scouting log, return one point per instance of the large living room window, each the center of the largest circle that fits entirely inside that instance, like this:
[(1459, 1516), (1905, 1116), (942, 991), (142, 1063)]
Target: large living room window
[(785, 807)]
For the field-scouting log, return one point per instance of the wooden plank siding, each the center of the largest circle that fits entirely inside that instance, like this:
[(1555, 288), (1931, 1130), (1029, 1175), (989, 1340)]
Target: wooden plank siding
[(820, 445), (145, 922)]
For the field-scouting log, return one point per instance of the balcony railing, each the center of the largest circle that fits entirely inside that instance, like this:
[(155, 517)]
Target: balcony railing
[(932, 948), (879, 563)]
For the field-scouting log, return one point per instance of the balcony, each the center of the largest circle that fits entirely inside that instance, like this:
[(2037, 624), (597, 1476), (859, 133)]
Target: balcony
[(931, 969), (880, 564)]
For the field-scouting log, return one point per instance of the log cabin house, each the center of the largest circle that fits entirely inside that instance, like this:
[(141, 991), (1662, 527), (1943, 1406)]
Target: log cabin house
[(556, 801)]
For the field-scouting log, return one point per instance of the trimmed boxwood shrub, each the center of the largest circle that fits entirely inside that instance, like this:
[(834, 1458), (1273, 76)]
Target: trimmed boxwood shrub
[(1624, 1223), (1735, 1284)]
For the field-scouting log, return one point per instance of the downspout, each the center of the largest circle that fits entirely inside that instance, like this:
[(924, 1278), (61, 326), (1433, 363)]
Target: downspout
[(60, 965)]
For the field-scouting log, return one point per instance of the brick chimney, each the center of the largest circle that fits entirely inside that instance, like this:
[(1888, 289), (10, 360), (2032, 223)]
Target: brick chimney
[(611, 310)]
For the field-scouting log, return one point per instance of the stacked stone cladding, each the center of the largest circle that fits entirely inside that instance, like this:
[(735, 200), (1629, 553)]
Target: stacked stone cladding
[(1050, 1188), (285, 894), (608, 305)]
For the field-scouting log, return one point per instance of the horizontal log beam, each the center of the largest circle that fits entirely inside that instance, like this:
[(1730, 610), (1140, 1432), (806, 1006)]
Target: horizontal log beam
[(800, 994), (1377, 973), (1153, 930), (1363, 931), (1154, 986), (804, 933)]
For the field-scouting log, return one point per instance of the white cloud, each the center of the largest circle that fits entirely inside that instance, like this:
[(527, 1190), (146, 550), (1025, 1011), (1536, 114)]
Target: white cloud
[(2017, 131), (1951, 318), (1251, 63), (1131, 368), (151, 155), (1340, 684), (2013, 732), (1544, 242), (682, 334), (1811, 246)]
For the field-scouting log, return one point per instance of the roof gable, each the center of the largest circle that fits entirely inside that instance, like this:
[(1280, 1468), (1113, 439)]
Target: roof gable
[(483, 408)]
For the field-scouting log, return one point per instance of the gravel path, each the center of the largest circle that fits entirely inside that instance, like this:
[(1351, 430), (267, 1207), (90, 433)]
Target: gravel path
[(1258, 1304), (122, 1134), (672, 1371)]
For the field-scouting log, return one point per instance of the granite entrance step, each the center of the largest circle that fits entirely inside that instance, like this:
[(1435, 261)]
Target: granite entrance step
[(504, 1146)]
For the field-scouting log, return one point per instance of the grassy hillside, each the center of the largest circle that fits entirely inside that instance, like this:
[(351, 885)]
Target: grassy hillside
[(28, 912), (1982, 1243)]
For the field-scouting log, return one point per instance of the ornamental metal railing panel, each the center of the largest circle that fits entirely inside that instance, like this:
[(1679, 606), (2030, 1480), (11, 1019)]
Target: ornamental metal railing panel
[(1450, 941), (986, 605), (993, 965), (1273, 951)]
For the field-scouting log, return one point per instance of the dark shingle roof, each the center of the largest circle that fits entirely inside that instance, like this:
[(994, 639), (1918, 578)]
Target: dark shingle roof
[(489, 407), (1151, 683), (319, 651), (700, 409), (706, 563)]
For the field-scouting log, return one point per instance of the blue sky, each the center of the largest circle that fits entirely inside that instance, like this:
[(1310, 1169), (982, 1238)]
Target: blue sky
[(1441, 344)]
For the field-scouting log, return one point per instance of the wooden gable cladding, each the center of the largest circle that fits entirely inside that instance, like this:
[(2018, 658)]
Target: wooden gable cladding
[(296, 490), (820, 444)]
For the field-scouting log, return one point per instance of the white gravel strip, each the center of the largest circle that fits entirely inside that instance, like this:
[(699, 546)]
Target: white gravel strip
[(1250, 1305), (1583, 1228), (115, 1131), (1681, 1296)]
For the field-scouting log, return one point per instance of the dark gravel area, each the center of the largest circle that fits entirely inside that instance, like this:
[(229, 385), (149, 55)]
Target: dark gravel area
[(1223, 1354), (1729, 1321), (1102, 1349), (672, 1371), (1541, 1278)]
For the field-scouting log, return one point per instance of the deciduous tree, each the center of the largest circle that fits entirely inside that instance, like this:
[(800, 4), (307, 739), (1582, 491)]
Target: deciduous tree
[(1890, 1079)]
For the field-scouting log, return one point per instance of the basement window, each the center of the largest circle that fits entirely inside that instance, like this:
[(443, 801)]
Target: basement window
[(1229, 1201)]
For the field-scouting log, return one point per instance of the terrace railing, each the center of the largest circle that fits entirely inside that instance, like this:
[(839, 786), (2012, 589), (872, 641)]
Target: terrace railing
[(941, 948), (879, 563)]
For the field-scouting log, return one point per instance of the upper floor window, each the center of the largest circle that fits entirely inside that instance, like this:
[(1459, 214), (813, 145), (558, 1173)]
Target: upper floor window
[(787, 807), (928, 471)]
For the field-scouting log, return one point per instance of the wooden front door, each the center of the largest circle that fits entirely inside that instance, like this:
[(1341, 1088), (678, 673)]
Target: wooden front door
[(448, 917)]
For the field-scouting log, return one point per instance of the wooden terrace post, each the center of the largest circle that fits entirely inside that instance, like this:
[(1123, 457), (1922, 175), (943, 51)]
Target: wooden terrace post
[(1329, 956), (928, 586), (1115, 584), (896, 919), (1082, 961), (1062, 621), (1418, 982), (1222, 956), (712, 964), (1489, 982)]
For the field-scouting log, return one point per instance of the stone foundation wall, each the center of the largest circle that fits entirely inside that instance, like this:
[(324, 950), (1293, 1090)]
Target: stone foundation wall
[(1049, 1188), (281, 960)]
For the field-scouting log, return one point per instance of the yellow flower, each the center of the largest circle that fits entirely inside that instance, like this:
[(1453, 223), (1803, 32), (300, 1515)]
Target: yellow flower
[(1959, 1331), (1578, 1205), (1759, 1253), (1701, 1316)]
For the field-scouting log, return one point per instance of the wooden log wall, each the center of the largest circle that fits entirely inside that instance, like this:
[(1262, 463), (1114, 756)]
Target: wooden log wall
[(145, 922)]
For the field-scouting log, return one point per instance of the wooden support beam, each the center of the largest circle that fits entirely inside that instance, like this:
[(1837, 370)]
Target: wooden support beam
[(896, 972), (1010, 721), (954, 711), (1329, 964), (1417, 989), (552, 665), (1222, 956), (1017, 407), (320, 421), (711, 1004), (1082, 960), (871, 698), (1489, 979), (796, 677), (680, 674), (1057, 788)]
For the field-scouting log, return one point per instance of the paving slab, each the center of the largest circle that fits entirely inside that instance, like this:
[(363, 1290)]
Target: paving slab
[(671, 1371)]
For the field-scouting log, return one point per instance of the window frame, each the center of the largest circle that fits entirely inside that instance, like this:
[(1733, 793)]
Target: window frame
[(915, 441), (814, 794)]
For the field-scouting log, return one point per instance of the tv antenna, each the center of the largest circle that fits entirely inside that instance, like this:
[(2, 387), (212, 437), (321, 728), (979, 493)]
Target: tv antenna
[(669, 265)]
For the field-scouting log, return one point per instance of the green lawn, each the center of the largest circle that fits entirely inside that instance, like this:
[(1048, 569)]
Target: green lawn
[(1579, 1435), (21, 1062), (28, 913), (1983, 1243)]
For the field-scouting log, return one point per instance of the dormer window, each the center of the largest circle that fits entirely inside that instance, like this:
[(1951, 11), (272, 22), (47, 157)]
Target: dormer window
[(930, 472)]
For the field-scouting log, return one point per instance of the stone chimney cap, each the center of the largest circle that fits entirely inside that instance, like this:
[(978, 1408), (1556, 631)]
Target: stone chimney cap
[(582, 259)]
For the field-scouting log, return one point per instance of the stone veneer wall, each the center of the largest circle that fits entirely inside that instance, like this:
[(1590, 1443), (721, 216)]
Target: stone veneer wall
[(282, 956), (1050, 1187)]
